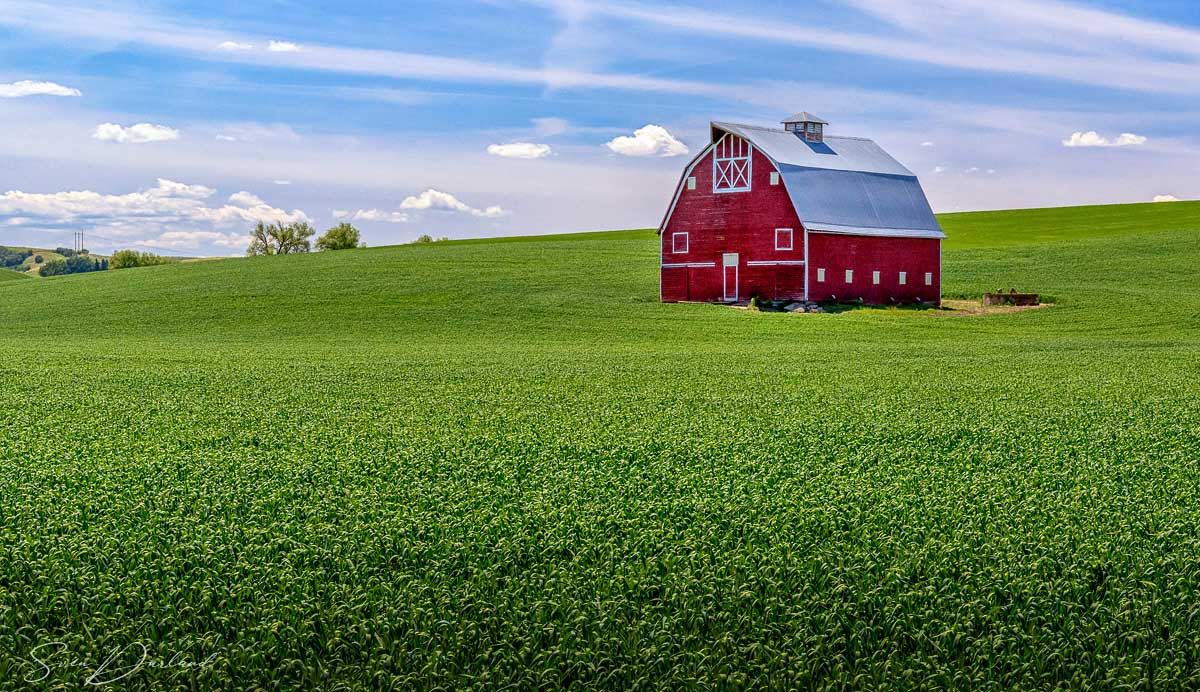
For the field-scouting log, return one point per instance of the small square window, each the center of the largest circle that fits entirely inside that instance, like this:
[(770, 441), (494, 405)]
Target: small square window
[(903, 278), (821, 275), (679, 243), (692, 183), (928, 278), (774, 178), (849, 276), (875, 278), (783, 239)]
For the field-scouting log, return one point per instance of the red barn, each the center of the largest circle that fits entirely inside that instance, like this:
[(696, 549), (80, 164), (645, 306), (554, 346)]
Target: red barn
[(789, 213)]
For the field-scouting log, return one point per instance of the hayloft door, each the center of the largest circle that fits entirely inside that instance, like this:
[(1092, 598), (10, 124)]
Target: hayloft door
[(731, 277)]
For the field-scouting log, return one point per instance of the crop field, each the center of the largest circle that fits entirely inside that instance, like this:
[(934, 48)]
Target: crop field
[(504, 465)]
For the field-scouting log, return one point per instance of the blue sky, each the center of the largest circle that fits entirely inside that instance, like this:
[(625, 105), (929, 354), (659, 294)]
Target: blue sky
[(177, 125)]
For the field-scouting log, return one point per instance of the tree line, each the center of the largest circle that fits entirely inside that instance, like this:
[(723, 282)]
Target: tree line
[(291, 238)]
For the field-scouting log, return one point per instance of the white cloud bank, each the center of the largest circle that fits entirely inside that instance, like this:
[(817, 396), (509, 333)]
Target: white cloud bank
[(1092, 139), (520, 150), (282, 47), (140, 133), (1165, 198), (429, 200), (25, 87), (651, 140), (169, 215)]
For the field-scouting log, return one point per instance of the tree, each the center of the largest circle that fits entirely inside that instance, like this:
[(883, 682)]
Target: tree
[(280, 239), (341, 237), (37, 259), (124, 259)]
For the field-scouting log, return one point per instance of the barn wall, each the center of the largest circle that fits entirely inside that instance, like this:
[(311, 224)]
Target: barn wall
[(741, 222), (864, 254)]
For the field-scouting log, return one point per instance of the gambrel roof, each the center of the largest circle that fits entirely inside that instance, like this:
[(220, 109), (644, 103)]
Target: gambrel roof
[(841, 185)]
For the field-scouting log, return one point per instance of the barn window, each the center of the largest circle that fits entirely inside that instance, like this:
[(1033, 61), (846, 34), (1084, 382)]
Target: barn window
[(821, 275), (903, 278), (875, 278), (774, 177), (732, 165), (783, 239), (849, 276), (928, 278), (692, 183), (679, 243)]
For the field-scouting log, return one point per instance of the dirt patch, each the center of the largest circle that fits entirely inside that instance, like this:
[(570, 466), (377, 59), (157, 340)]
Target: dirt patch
[(966, 308)]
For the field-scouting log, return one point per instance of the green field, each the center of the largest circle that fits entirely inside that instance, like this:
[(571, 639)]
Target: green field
[(9, 275), (505, 465)]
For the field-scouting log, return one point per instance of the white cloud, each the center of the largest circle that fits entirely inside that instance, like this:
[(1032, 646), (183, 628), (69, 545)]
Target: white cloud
[(140, 133), (169, 205), (193, 240), (282, 47), (282, 182), (25, 87), (973, 169), (1092, 139), (926, 144), (550, 127), (257, 132), (226, 138), (235, 46), (651, 140), (520, 150), (374, 215), (436, 200), (1165, 198), (938, 170)]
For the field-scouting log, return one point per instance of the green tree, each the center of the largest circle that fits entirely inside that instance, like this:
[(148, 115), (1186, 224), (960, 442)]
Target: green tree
[(124, 259), (341, 237), (280, 239)]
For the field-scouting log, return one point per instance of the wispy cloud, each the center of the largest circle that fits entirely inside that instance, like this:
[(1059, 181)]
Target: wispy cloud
[(141, 133), (282, 47), (1092, 139), (235, 46), (520, 150), (25, 87)]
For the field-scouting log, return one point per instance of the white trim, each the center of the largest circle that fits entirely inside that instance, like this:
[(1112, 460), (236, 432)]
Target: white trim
[(725, 265), (682, 184), (928, 278), (691, 183), (791, 239), (675, 235), (805, 263), (770, 263), (876, 277), (673, 265), (820, 275), (849, 277), (880, 232), (903, 278), (749, 158)]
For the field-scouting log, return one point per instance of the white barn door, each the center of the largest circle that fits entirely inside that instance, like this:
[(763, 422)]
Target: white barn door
[(731, 277)]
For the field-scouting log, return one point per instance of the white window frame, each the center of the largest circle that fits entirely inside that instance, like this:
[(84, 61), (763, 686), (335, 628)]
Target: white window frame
[(791, 236), (820, 275), (928, 278), (744, 173), (849, 276), (691, 183), (774, 177), (675, 243), (903, 278), (875, 277)]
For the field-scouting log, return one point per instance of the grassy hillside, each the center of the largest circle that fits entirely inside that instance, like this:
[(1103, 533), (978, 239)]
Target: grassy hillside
[(488, 463), (9, 275)]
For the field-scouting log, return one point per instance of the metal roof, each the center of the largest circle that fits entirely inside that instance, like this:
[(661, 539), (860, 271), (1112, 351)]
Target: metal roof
[(844, 184), (805, 117)]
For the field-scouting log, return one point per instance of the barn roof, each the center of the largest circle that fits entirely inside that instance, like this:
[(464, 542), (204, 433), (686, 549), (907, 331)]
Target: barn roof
[(844, 184), (805, 117)]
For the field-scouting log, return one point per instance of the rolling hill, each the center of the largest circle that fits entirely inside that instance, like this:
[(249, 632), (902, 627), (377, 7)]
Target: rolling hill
[(479, 464)]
